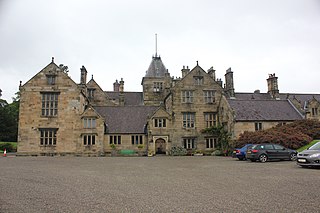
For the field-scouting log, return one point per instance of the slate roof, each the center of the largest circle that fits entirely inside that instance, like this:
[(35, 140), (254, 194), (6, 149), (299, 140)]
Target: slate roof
[(131, 98), (126, 119), (264, 110), (156, 68), (283, 96)]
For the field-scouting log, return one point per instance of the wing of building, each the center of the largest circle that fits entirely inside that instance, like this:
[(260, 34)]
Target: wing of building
[(61, 117)]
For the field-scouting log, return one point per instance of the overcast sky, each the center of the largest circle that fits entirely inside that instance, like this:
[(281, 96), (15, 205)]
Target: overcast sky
[(116, 39)]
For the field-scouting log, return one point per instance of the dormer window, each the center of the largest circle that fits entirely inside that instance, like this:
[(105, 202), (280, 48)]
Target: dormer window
[(91, 93), (89, 123), (51, 79)]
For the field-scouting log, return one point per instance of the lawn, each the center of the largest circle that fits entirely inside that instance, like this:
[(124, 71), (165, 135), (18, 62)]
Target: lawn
[(307, 146)]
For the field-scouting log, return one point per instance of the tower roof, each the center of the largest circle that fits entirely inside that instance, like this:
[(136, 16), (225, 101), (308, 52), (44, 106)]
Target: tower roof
[(156, 68)]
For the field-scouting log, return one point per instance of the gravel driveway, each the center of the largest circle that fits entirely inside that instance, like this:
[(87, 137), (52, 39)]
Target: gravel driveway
[(156, 184)]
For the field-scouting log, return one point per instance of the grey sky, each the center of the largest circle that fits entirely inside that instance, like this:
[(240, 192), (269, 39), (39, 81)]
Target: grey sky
[(115, 39)]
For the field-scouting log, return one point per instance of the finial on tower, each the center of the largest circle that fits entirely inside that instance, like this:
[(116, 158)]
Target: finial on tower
[(52, 60), (156, 46)]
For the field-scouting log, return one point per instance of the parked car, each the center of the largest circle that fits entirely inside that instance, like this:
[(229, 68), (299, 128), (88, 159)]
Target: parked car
[(242, 152), (310, 157), (265, 152)]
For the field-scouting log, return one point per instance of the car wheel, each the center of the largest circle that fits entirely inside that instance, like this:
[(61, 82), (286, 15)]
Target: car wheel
[(293, 156), (263, 158), (252, 160), (240, 158)]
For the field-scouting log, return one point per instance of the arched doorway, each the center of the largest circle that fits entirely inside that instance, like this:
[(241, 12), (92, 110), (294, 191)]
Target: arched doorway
[(160, 146)]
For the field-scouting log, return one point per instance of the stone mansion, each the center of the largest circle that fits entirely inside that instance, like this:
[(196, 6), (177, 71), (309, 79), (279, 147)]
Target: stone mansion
[(61, 117)]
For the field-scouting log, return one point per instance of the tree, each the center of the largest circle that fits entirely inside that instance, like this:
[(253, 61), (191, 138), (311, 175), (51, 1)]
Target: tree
[(9, 115)]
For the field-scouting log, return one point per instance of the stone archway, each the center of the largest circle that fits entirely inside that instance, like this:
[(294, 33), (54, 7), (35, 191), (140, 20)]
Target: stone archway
[(160, 146)]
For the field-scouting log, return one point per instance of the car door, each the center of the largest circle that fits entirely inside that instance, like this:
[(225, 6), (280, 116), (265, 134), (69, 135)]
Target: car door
[(270, 151), (281, 152)]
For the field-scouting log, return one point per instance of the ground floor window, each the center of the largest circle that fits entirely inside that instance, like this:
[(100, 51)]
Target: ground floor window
[(136, 139), (210, 143), (115, 139), (48, 137), (258, 126), (189, 143), (89, 140)]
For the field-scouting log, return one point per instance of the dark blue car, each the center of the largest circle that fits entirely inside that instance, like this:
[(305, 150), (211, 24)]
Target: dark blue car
[(241, 153)]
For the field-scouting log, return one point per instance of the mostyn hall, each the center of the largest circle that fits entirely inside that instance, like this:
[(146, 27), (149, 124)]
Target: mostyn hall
[(61, 117)]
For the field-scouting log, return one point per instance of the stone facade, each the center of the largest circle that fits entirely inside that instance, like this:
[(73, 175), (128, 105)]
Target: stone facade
[(61, 117)]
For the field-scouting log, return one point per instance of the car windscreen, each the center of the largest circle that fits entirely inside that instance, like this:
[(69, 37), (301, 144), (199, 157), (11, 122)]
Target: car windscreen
[(315, 146)]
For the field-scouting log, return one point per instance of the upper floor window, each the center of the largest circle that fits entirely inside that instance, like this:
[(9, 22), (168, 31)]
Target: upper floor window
[(189, 143), (91, 93), (188, 120), (208, 96), (48, 137), (198, 80), (51, 79), (115, 139), (258, 126), (210, 119), (49, 104), (89, 139), (314, 111), (136, 139), (160, 122), (157, 86), (89, 123), (187, 96)]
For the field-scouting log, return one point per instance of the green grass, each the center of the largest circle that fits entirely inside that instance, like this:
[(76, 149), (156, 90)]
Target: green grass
[(307, 146)]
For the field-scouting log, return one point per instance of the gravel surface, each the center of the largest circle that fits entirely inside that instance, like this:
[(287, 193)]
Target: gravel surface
[(156, 184)]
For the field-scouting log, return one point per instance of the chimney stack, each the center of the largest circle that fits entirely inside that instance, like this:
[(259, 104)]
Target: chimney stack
[(83, 79), (185, 71), (116, 86), (273, 86)]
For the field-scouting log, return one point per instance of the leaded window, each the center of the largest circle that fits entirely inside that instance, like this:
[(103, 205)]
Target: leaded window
[(208, 96), (89, 139), (210, 119), (49, 104), (89, 123), (188, 120), (48, 137), (187, 96), (189, 143)]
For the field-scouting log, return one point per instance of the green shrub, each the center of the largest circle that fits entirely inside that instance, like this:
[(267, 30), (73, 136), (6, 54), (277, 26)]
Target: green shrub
[(178, 151), (8, 146)]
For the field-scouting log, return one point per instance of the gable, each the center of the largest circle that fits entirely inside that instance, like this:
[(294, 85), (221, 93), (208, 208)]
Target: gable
[(198, 78), (161, 113), (56, 75)]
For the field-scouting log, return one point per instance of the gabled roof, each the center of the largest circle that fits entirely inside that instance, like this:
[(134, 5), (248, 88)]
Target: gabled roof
[(126, 119), (130, 98), (264, 110), (156, 68)]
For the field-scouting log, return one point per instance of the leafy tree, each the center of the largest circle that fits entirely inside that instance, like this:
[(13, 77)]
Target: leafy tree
[(9, 115)]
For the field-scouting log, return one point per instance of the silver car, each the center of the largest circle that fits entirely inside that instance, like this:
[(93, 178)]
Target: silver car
[(310, 157)]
